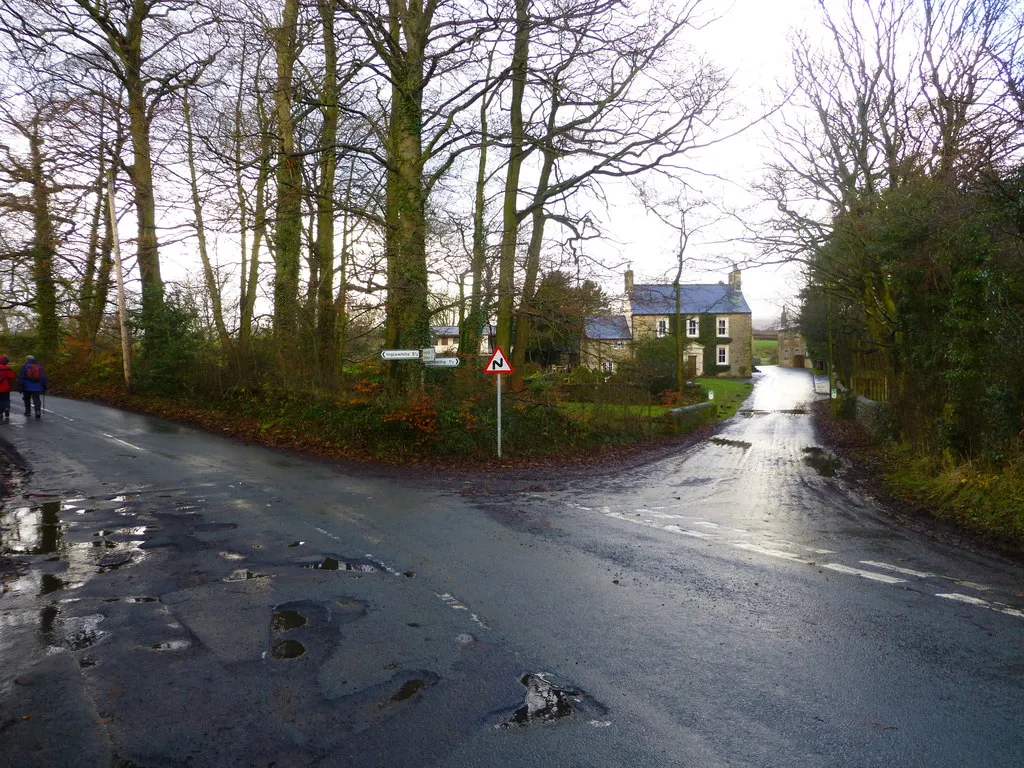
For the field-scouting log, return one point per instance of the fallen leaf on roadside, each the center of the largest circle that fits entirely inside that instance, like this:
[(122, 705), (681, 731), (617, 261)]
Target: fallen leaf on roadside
[(882, 727)]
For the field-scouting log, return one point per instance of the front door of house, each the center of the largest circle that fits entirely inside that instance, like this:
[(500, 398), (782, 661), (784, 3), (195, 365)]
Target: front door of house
[(691, 365)]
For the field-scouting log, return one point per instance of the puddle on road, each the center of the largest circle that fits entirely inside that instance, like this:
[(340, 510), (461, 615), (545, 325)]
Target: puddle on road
[(409, 689), (287, 649), (824, 463), (747, 413), (34, 530), (741, 444), (282, 621)]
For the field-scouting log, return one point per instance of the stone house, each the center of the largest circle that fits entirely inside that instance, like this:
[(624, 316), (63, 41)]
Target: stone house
[(446, 339), (607, 341), (793, 348), (715, 318)]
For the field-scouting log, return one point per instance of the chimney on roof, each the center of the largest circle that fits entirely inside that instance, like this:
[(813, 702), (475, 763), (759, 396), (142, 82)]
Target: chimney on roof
[(629, 282), (734, 279)]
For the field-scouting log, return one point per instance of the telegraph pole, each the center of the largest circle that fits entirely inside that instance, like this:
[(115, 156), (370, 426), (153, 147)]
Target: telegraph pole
[(126, 346)]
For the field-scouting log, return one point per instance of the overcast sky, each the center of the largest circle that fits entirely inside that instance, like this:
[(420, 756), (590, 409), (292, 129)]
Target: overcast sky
[(750, 41)]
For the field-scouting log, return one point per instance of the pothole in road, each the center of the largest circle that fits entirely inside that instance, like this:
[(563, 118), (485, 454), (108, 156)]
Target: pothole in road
[(547, 703), (243, 574), (172, 645), (358, 565), (825, 464)]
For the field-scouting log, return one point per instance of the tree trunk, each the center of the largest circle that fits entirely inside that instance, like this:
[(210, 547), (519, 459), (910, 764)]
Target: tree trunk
[(288, 219), (212, 287), (99, 261), (408, 313), (471, 327), (44, 249), (326, 315), (141, 175), (526, 303), (517, 153)]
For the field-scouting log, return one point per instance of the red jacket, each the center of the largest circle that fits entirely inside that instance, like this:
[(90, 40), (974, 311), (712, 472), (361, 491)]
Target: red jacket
[(7, 375)]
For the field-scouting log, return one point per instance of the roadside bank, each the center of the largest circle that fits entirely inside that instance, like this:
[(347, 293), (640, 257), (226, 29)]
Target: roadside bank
[(950, 507)]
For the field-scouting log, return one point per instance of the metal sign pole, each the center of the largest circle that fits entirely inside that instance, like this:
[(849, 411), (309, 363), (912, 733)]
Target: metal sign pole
[(499, 415)]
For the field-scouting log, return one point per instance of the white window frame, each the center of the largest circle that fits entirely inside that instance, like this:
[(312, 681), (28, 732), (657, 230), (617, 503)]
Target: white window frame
[(722, 326), (722, 354), (608, 366), (692, 327), (619, 345), (661, 327)]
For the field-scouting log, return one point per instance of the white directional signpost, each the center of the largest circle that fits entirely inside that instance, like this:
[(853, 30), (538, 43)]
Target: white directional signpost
[(400, 354), (498, 365), (426, 355)]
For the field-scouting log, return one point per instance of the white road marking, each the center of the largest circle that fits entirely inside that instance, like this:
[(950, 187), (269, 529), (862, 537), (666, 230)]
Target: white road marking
[(897, 569), (972, 585), (124, 442), (977, 601), (452, 602), (685, 532), (770, 552), (866, 574), (325, 533), (634, 517), (61, 415)]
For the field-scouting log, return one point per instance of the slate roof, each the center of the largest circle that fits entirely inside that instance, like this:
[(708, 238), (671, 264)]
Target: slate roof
[(697, 300), (607, 328)]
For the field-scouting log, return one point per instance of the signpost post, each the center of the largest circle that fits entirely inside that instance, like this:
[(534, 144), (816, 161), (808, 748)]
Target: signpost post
[(498, 365)]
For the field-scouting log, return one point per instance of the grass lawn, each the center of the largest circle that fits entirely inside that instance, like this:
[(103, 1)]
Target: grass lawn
[(729, 394), (766, 350)]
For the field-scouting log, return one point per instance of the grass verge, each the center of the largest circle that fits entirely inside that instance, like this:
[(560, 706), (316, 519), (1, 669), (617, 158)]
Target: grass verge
[(729, 394), (984, 501)]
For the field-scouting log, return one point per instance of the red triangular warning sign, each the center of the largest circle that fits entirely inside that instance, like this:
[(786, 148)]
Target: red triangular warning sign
[(498, 363)]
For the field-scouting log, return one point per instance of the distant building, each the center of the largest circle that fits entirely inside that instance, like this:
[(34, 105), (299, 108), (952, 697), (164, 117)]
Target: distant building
[(607, 342), (715, 318), (446, 339), (793, 348)]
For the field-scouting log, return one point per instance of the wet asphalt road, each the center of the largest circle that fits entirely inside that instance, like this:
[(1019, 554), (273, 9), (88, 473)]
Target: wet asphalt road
[(191, 601)]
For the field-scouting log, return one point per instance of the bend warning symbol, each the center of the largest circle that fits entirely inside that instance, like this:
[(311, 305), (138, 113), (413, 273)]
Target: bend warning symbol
[(498, 363)]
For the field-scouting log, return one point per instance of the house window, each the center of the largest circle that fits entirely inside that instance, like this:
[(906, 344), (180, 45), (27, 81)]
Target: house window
[(619, 345), (662, 327), (723, 326), (691, 327), (608, 366), (723, 355)]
